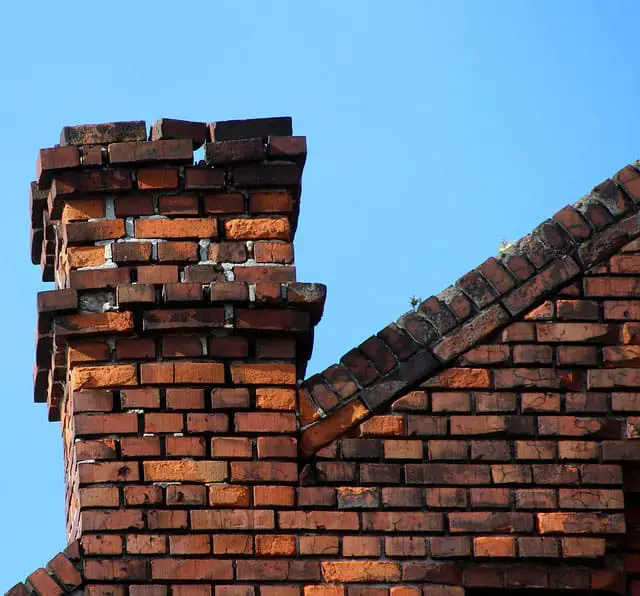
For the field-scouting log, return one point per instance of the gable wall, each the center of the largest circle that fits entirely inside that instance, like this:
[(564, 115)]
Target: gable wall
[(513, 465)]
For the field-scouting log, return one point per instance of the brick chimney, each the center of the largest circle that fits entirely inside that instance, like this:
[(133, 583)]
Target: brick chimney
[(172, 345)]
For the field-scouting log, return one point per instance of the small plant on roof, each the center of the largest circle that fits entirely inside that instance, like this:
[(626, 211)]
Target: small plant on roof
[(505, 245), (414, 301)]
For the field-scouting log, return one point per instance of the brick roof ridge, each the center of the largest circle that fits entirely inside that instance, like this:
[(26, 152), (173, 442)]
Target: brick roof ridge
[(425, 341), (61, 574)]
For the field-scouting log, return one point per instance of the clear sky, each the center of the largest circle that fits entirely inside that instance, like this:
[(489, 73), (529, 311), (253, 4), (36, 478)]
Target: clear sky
[(435, 130)]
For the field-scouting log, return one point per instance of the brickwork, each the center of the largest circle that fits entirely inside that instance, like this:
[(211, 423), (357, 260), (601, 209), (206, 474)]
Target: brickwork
[(486, 440)]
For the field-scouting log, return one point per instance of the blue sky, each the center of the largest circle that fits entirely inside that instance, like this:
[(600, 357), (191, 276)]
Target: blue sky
[(435, 130)]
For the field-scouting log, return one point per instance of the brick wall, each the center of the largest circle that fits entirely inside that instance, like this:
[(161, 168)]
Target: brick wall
[(484, 441)]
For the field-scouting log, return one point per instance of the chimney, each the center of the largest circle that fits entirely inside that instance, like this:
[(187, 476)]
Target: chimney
[(173, 343)]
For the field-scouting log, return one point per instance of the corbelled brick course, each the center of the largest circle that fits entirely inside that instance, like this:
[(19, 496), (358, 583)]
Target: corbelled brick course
[(485, 440)]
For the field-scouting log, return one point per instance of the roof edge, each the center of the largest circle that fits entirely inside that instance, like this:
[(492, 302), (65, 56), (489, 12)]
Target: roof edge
[(61, 573), (423, 342)]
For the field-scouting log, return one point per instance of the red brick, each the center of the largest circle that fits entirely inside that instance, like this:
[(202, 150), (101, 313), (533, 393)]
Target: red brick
[(181, 346), (176, 228), (135, 349), (133, 206), (178, 251), (230, 398), (180, 494), (494, 546), (157, 178), (140, 446), (228, 347), (140, 398), (229, 495), (142, 495), (131, 252), (482, 522), (185, 446), (169, 128), (231, 447), (580, 523), (231, 202), (273, 496)]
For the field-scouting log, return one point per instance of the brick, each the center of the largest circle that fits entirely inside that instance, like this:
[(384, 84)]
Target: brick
[(536, 378), (131, 252), (177, 227), (577, 332), (229, 495), (245, 129), (394, 449), (314, 520), (54, 159), (538, 547), (319, 545), (163, 423), (272, 320), (140, 446), (86, 181), (142, 495), (102, 544), (133, 206), (232, 519), (90, 377), (460, 378), (94, 323), (87, 351), (82, 210), (583, 547), (536, 498), (230, 398), (111, 132), (91, 231), (273, 252), (264, 471), (140, 398), (178, 150), (405, 546), (169, 128), (157, 178), (448, 450), (361, 571), (263, 374), (185, 471), (207, 423), (178, 205), (494, 546), (490, 522), (96, 472), (203, 178), (276, 228), (449, 546), (178, 251), (185, 494), (227, 252), (134, 349), (278, 545), (185, 446), (187, 569), (273, 496), (228, 347), (554, 276), (361, 546), (183, 319), (580, 523), (490, 497), (232, 544), (181, 346), (232, 151), (99, 278), (413, 521), (110, 520), (613, 378), (222, 203), (277, 448)]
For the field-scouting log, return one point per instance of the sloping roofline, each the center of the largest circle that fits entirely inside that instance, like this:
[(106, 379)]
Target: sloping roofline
[(423, 342)]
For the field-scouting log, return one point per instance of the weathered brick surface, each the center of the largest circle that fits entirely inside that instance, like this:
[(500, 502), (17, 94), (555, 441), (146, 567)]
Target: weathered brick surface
[(486, 440)]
